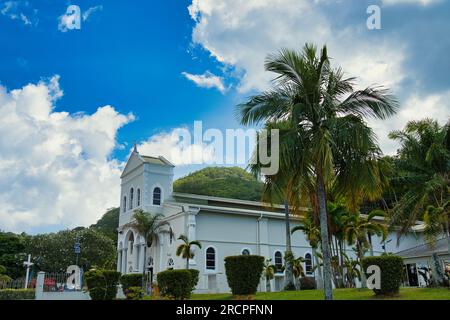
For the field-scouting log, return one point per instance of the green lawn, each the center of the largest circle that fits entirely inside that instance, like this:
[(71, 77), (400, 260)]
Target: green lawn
[(339, 294)]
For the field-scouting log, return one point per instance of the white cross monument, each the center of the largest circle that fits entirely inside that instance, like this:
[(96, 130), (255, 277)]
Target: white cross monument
[(28, 264)]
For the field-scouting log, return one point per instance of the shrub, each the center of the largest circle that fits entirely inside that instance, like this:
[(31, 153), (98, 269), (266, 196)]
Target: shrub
[(2, 269), (131, 280), (134, 293), (391, 268), (4, 278), (17, 294), (102, 284), (194, 277), (175, 284), (244, 273), (112, 280), (307, 283)]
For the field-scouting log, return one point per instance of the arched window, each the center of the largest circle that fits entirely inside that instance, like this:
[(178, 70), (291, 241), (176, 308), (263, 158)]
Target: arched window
[(308, 263), (245, 252), (170, 263), (138, 197), (131, 198), (124, 204), (278, 261), (157, 196), (210, 259)]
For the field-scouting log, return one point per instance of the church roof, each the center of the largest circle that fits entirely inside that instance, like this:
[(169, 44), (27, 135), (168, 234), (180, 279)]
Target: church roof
[(425, 250), (157, 160)]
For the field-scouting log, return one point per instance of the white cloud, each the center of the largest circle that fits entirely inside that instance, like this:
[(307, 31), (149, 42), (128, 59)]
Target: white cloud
[(416, 2), (15, 11), (206, 80), (416, 107), (241, 34), (55, 166), (90, 11), (180, 153)]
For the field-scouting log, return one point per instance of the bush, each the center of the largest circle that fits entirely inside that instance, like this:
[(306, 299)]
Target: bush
[(112, 280), (130, 280), (4, 278), (102, 284), (307, 283), (244, 273), (17, 294), (175, 284), (2, 269), (194, 277), (391, 268), (134, 293)]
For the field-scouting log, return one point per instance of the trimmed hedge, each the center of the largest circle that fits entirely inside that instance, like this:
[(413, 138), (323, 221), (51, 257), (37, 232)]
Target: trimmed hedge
[(131, 280), (17, 294), (194, 278), (307, 283), (176, 284), (102, 284), (391, 268), (134, 293), (244, 273)]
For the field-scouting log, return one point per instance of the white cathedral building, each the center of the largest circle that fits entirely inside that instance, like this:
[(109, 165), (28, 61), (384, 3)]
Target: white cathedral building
[(224, 227)]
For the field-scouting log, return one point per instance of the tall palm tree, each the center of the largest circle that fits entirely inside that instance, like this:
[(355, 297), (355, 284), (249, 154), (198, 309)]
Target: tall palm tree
[(148, 225), (324, 141), (184, 249), (357, 231)]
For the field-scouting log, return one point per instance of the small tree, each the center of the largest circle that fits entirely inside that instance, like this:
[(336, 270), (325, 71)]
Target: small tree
[(184, 249), (297, 268), (268, 273), (148, 225)]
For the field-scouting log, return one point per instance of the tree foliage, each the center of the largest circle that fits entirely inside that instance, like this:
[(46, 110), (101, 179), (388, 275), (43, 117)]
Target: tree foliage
[(54, 252), (226, 182)]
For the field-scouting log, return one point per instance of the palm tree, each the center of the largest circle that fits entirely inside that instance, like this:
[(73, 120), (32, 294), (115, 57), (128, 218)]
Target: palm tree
[(148, 225), (312, 233), (357, 231), (268, 273), (297, 267), (351, 271), (324, 142), (423, 163), (184, 249)]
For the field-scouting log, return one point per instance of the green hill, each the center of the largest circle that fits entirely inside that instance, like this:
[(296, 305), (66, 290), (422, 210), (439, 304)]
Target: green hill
[(226, 182)]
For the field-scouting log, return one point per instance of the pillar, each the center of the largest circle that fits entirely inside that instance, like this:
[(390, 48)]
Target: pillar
[(39, 291), (135, 257), (119, 260), (142, 263), (124, 261)]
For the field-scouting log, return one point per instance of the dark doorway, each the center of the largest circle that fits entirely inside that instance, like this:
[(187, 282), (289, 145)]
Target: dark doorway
[(413, 279)]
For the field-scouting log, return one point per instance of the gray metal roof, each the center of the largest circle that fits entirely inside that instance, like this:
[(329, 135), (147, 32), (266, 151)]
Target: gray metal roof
[(157, 160), (425, 250)]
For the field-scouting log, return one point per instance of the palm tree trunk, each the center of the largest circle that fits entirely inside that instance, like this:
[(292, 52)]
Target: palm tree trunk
[(144, 282), (187, 263), (327, 275), (363, 272), (319, 282), (370, 243), (267, 285), (289, 272)]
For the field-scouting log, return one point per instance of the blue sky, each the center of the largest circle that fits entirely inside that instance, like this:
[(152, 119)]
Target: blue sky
[(72, 102)]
